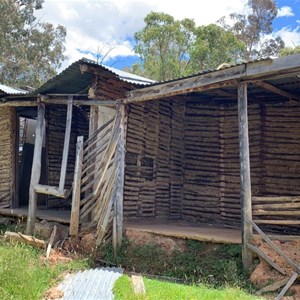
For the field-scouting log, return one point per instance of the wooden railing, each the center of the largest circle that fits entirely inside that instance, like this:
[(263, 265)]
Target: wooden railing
[(98, 181), (276, 210)]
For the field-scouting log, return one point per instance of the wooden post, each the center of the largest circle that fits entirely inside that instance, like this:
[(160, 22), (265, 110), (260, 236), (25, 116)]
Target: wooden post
[(245, 175), (121, 174), (74, 222), (36, 167), (66, 145)]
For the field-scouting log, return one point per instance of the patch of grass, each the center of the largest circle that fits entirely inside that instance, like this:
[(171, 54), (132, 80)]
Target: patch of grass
[(216, 265), (23, 275), (166, 291)]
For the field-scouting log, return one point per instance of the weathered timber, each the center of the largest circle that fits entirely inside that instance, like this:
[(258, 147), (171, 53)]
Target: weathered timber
[(266, 258), (245, 174), (75, 210), (22, 238), (66, 144), (51, 190), (36, 168)]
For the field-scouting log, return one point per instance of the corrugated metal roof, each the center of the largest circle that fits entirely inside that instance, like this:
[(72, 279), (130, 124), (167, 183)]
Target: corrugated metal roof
[(73, 81), (9, 90), (94, 284)]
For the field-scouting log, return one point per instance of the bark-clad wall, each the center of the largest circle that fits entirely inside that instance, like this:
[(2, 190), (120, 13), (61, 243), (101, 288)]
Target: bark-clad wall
[(154, 160), (282, 149), (7, 155)]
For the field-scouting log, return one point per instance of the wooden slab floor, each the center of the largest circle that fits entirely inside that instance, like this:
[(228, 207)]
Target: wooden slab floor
[(61, 216), (184, 230)]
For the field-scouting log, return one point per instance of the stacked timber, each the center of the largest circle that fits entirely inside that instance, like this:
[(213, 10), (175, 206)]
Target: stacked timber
[(7, 155), (282, 149), (202, 163), (177, 157), (230, 207), (154, 159)]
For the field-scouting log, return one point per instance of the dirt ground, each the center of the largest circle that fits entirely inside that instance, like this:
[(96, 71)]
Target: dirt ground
[(264, 274)]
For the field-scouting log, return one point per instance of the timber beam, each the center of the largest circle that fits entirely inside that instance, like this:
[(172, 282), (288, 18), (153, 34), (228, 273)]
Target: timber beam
[(252, 71), (271, 88)]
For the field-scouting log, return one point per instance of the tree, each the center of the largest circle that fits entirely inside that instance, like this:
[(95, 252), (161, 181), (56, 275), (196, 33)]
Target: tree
[(252, 29), (289, 50), (169, 48), (163, 45), (212, 47), (30, 50)]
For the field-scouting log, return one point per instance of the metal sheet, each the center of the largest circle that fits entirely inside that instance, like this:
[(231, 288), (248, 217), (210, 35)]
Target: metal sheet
[(94, 284)]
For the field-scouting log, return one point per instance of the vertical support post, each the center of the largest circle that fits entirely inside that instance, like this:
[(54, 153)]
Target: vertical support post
[(36, 167), (121, 173), (66, 145), (245, 175), (74, 221)]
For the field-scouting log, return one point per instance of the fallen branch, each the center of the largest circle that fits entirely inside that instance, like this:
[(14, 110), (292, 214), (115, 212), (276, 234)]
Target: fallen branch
[(52, 237), (22, 238)]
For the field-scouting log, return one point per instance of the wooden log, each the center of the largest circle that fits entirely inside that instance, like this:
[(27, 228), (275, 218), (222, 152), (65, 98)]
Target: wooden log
[(282, 199), (22, 238), (51, 190), (36, 168), (66, 145), (245, 175), (121, 173), (75, 210)]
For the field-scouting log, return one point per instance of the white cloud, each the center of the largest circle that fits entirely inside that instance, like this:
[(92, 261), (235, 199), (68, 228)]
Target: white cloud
[(102, 24), (285, 11), (291, 37)]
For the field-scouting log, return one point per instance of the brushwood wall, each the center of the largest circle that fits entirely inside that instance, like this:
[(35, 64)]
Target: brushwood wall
[(8, 127), (182, 158)]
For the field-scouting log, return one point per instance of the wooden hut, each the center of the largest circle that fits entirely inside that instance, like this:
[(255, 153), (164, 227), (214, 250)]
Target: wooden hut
[(37, 172), (219, 148)]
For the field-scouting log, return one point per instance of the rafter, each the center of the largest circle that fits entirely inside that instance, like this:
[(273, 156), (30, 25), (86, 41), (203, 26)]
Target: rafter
[(271, 88)]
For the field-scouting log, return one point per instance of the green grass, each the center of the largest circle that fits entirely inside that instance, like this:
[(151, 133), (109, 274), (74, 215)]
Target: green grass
[(171, 291), (201, 263), (23, 275)]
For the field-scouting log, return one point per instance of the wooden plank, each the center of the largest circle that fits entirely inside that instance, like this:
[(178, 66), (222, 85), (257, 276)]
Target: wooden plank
[(287, 286), (75, 210), (274, 286), (245, 175), (51, 190), (66, 145), (250, 71), (276, 199), (36, 168), (121, 173), (273, 246), (266, 258)]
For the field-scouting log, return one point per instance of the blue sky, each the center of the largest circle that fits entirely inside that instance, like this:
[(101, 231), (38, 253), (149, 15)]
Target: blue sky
[(108, 26)]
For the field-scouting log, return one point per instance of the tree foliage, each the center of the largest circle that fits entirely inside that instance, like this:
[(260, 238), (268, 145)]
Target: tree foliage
[(169, 48), (30, 50), (289, 50), (253, 28)]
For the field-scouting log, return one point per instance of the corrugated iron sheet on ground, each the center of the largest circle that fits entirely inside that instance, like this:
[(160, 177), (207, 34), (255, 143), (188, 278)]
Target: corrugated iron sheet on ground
[(94, 284)]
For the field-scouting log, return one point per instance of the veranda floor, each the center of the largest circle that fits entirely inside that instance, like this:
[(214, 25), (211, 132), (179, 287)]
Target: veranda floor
[(200, 232), (61, 216)]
